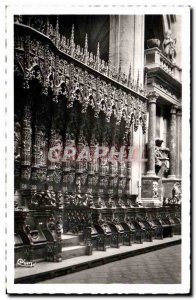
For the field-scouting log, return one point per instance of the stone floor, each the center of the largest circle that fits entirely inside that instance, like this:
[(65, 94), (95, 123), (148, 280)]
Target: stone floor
[(160, 266), (47, 270)]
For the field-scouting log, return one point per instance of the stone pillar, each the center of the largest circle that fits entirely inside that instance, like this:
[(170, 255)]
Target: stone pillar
[(114, 40), (172, 142), (178, 142), (151, 183), (151, 133), (161, 124), (174, 146), (126, 44)]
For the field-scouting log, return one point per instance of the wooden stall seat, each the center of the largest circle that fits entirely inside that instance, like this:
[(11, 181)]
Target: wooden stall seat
[(115, 237), (38, 243), (98, 237), (128, 234), (139, 232), (157, 228), (167, 226), (177, 228), (148, 229), (105, 235), (176, 224), (174, 217)]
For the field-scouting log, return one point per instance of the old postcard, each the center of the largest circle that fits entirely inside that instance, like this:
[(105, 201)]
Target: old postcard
[(98, 170)]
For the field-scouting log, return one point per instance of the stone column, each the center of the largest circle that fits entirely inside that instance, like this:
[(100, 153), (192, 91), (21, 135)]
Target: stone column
[(161, 124), (178, 142), (126, 44), (174, 146), (151, 183), (151, 133), (172, 142)]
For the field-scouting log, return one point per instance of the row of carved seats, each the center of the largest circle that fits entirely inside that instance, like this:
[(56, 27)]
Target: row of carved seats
[(114, 234)]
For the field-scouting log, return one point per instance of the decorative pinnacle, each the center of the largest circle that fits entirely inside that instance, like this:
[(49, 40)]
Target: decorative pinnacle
[(72, 34), (138, 78), (86, 49), (98, 53), (57, 23), (129, 76), (86, 43), (120, 64), (57, 30), (119, 69), (108, 67), (72, 41)]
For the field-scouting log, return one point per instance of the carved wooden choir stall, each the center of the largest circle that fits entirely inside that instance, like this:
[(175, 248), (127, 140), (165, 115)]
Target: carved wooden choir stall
[(68, 98)]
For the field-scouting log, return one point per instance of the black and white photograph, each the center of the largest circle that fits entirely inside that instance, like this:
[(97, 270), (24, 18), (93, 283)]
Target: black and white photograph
[(98, 175)]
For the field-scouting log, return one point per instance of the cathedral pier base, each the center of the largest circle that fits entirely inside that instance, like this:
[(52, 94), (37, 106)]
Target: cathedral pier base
[(151, 191)]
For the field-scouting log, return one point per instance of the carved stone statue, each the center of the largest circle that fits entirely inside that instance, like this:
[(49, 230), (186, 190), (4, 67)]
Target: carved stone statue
[(158, 155), (168, 46)]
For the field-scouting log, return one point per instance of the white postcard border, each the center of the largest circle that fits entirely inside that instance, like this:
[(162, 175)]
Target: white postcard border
[(100, 288)]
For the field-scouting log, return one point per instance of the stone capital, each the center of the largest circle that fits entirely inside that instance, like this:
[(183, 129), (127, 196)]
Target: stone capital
[(152, 96), (173, 109)]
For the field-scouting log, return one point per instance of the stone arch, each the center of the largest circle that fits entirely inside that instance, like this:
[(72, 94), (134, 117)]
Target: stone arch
[(65, 90), (103, 106), (91, 101), (35, 73)]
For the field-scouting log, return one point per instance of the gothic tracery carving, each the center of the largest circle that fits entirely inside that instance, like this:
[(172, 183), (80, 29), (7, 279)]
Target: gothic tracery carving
[(78, 84), (79, 107)]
